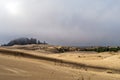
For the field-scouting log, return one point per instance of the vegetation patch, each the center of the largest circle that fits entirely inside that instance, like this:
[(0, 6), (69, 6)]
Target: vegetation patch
[(103, 49)]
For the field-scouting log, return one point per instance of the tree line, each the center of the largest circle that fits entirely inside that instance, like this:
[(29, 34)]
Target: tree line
[(24, 41)]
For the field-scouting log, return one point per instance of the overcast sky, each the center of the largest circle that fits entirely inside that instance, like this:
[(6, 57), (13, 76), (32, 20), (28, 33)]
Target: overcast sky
[(63, 22)]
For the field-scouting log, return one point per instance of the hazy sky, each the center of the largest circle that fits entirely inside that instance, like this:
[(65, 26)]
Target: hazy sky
[(64, 22)]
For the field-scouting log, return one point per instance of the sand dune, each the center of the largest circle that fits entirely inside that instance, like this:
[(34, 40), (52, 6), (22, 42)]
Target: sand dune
[(104, 64)]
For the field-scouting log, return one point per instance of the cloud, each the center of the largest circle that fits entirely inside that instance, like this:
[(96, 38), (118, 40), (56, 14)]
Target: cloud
[(66, 22)]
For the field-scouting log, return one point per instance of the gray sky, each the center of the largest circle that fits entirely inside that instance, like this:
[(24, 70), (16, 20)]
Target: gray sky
[(63, 22)]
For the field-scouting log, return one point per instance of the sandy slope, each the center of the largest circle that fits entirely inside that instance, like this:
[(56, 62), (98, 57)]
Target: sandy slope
[(12, 68), (108, 60), (15, 68)]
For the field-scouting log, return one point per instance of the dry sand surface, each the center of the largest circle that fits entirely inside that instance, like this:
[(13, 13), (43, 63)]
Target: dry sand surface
[(15, 68), (106, 59), (105, 66)]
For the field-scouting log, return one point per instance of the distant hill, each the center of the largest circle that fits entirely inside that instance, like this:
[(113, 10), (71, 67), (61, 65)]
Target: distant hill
[(24, 41)]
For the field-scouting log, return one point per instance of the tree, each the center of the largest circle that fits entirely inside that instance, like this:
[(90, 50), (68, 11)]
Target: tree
[(39, 42), (33, 41)]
